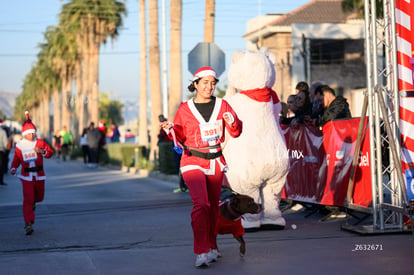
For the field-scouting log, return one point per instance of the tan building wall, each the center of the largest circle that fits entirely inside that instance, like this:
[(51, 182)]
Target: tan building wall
[(280, 44)]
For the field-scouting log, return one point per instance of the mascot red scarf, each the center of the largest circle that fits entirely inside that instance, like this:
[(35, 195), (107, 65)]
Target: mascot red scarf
[(262, 94)]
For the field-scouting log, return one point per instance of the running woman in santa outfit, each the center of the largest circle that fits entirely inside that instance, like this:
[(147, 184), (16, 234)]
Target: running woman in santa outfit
[(200, 125), (29, 153)]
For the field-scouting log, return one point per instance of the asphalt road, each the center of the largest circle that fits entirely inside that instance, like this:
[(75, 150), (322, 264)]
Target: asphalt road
[(105, 221)]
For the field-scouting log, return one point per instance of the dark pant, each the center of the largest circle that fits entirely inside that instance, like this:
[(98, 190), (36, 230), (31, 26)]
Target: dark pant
[(65, 151), (6, 162), (2, 161), (93, 152), (86, 156)]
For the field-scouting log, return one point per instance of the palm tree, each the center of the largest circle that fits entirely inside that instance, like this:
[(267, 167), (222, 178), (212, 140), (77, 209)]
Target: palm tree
[(63, 54), (46, 56), (357, 6), (143, 120), (28, 98), (209, 21), (45, 81), (92, 21), (155, 74), (175, 57)]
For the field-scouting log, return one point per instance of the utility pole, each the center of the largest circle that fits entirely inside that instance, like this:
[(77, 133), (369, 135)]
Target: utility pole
[(209, 21), (164, 63)]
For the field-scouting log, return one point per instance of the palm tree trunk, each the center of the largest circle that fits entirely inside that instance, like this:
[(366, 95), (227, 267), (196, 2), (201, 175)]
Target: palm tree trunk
[(209, 23), (85, 83), (56, 110), (155, 76), (79, 102), (66, 100), (46, 117), (94, 74), (40, 117), (143, 121), (175, 57)]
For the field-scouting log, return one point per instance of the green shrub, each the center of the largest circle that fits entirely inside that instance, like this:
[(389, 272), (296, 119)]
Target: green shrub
[(124, 154), (119, 154), (75, 152)]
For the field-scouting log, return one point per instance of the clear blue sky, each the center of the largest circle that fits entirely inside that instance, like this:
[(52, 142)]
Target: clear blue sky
[(23, 23)]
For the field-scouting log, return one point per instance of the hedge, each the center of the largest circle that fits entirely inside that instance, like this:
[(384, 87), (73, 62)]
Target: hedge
[(124, 154)]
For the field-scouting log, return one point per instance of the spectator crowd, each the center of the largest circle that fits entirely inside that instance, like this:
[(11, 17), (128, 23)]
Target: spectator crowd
[(314, 105)]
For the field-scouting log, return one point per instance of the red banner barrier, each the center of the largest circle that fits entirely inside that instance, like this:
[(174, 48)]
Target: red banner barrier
[(320, 164)]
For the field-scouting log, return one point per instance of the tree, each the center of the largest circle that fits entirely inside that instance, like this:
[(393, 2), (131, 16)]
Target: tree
[(44, 80), (93, 21), (357, 6), (143, 120), (176, 90), (155, 75), (62, 55), (110, 110)]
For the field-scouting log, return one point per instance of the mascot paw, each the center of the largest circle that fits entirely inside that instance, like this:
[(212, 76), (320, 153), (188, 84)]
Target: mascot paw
[(251, 230), (273, 224), (231, 91), (271, 227), (250, 226)]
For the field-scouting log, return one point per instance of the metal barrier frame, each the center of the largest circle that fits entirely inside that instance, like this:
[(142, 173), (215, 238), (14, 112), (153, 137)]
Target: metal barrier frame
[(389, 195)]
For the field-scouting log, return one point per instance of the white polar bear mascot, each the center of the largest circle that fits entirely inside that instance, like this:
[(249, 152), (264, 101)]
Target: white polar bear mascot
[(257, 159)]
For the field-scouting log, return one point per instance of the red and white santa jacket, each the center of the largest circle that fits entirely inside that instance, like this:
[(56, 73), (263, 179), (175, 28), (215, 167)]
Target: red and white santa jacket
[(195, 133), (31, 162)]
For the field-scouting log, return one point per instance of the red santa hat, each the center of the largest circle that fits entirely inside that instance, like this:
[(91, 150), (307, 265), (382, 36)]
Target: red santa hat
[(101, 124), (204, 71), (28, 126)]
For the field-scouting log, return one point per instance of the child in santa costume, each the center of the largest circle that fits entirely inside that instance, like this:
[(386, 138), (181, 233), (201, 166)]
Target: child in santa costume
[(200, 124), (29, 153)]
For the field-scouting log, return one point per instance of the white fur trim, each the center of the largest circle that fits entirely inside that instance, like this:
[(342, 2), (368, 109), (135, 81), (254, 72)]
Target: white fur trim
[(197, 114), (30, 177), (30, 131), (204, 73), (210, 171)]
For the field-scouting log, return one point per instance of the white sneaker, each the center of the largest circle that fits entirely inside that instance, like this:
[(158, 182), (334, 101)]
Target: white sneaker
[(213, 255), (201, 260)]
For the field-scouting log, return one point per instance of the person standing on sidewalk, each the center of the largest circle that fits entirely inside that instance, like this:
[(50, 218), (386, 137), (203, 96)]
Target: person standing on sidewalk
[(67, 141), (3, 147), (29, 153), (200, 124), (9, 145), (57, 144), (85, 146), (93, 137)]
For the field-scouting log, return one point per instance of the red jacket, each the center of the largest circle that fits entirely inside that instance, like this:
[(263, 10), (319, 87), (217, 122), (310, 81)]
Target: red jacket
[(190, 129), (25, 156)]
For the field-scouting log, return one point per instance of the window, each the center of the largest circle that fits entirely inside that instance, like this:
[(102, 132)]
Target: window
[(335, 51)]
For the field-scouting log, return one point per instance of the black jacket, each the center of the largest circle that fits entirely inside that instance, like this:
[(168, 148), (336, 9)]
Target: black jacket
[(338, 109)]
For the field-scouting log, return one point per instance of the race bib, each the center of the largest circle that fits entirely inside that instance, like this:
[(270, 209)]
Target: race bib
[(211, 131), (28, 152), (29, 155)]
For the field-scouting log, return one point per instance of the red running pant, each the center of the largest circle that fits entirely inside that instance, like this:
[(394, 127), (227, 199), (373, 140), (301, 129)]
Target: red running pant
[(33, 191), (205, 193)]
